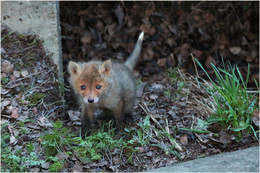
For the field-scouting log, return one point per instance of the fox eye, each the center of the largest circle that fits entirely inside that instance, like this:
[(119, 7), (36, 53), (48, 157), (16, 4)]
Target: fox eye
[(83, 87), (98, 87)]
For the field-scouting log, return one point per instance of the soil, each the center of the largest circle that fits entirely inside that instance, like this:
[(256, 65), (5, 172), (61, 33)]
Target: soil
[(96, 30)]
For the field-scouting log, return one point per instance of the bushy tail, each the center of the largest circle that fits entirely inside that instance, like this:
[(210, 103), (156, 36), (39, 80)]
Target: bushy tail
[(132, 59)]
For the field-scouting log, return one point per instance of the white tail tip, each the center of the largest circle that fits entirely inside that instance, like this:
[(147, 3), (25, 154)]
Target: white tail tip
[(141, 36)]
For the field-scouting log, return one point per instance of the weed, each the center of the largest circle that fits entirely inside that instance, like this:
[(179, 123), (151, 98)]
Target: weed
[(53, 140), (233, 105), (4, 80), (178, 82), (33, 43), (36, 97)]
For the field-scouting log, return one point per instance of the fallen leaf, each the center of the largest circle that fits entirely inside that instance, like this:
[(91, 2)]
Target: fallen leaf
[(44, 122), (111, 28), (13, 140), (78, 167), (156, 86), (74, 115), (34, 109), (225, 138), (24, 73), (15, 114), (35, 170), (153, 148), (3, 121), (5, 103), (235, 50), (153, 96), (7, 67), (150, 153), (140, 149), (162, 62), (16, 74), (62, 155), (209, 17), (156, 160), (184, 139), (86, 38), (46, 165), (173, 114), (117, 160), (210, 60), (255, 118)]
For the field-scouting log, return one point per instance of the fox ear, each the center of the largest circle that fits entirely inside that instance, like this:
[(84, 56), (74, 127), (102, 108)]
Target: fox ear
[(106, 67), (73, 68)]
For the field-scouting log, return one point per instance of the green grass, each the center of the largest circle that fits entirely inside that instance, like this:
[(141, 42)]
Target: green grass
[(233, 104), (177, 82)]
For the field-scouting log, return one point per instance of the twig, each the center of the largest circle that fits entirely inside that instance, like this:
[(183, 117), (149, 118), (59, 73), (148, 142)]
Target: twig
[(233, 8), (172, 140), (194, 65)]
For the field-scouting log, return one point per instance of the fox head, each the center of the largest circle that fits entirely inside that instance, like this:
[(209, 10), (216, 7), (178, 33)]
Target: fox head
[(89, 80)]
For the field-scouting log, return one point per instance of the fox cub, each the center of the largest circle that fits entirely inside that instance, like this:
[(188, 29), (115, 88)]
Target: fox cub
[(105, 85)]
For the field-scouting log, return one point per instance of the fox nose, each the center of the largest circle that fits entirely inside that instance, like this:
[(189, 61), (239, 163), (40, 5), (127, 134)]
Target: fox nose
[(90, 100)]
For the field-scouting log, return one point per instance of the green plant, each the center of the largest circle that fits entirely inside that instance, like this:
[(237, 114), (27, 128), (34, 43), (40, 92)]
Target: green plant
[(98, 144), (58, 136), (233, 105), (36, 98), (177, 81), (4, 80)]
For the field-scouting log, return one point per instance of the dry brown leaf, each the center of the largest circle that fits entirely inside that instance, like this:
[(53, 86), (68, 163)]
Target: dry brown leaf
[(140, 149), (209, 17), (86, 38), (152, 148), (111, 28), (255, 118), (44, 122), (148, 53), (184, 139), (235, 50), (162, 62), (7, 67), (147, 28), (225, 138), (78, 167), (210, 60), (34, 109), (15, 114)]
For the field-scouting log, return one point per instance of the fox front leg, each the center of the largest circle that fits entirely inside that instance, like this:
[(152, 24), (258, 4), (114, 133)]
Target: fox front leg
[(86, 120)]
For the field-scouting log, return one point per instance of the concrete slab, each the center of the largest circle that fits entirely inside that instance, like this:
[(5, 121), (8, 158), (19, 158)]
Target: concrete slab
[(246, 160), (37, 18)]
